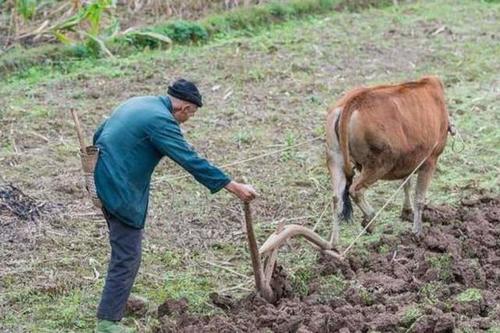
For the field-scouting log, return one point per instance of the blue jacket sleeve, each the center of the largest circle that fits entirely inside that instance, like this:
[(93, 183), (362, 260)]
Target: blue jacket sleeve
[(167, 137)]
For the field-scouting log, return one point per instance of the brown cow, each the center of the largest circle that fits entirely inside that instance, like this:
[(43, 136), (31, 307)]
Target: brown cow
[(385, 132)]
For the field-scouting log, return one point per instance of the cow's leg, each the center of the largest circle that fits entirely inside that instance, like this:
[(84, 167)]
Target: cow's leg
[(335, 163), (423, 180), (366, 208), (338, 181), (407, 211), (366, 178)]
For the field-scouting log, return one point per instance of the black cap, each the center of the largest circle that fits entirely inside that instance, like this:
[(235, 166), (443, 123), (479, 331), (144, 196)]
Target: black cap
[(186, 91)]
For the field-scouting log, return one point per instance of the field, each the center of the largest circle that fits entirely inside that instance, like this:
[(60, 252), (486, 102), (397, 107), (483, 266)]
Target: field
[(265, 90)]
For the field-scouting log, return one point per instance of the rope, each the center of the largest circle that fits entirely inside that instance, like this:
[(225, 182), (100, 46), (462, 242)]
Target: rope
[(243, 161), (461, 140), (386, 203)]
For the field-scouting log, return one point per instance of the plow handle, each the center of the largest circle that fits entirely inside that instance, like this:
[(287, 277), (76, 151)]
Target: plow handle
[(262, 286)]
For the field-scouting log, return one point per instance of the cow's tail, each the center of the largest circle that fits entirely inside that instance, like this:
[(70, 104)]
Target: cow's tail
[(346, 214), (349, 104)]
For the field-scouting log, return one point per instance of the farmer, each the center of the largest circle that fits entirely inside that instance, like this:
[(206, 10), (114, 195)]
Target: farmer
[(132, 141)]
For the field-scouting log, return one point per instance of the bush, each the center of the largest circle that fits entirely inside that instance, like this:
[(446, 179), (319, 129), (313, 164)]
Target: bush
[(179, 31), (184, 31)]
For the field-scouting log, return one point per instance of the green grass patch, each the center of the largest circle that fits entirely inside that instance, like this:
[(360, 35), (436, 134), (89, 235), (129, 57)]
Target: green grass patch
[(470, 295), (411, 315), (331, 286), (443, 264), (193, 287), (431, 292)]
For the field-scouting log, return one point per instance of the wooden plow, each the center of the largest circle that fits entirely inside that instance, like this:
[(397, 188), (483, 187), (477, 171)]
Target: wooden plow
[(268, 252)]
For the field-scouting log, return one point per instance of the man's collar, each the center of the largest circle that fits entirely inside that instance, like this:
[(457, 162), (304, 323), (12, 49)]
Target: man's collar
[(167, 102)]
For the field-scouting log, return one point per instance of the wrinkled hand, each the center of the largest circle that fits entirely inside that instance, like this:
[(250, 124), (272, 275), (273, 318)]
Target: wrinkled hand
[(244, 192)]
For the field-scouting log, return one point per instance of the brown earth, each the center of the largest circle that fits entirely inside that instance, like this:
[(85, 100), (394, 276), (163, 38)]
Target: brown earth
[(397, 284)]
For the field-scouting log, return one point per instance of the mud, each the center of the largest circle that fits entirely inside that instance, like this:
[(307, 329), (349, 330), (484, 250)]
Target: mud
[(447, 280)]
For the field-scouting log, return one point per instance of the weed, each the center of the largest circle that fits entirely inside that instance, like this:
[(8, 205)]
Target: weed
[(411, 315), (26, 8), (290, 142), (443, 264), (366, 296), (300, 280), (331, 286), (243, 137), (431, 292), (470, 295)]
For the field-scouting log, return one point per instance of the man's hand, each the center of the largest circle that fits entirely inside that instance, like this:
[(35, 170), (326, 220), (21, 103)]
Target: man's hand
[(244, 192)]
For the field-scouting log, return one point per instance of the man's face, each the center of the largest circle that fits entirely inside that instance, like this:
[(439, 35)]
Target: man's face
[(186, 111)]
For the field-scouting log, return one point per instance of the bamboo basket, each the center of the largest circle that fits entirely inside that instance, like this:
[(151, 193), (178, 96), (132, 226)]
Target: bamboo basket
[(88, 156)]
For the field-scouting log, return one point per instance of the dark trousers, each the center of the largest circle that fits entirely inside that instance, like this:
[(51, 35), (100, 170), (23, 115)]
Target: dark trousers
[(123, 267)]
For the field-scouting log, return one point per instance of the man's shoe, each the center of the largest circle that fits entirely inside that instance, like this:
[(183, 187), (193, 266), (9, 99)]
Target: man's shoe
[(107, 326)]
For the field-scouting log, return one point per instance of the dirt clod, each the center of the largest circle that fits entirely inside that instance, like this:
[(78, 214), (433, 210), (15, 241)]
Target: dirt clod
[(136, 306), (173, 307)]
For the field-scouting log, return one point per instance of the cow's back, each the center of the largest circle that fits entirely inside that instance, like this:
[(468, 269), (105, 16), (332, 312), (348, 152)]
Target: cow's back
[(395, 127)]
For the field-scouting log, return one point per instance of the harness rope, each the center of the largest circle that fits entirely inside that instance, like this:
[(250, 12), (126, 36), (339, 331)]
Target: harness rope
[(457, 133), (245, 160)]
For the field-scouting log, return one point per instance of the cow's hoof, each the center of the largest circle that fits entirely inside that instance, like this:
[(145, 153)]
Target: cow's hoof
[(365, 222), (407, 214)]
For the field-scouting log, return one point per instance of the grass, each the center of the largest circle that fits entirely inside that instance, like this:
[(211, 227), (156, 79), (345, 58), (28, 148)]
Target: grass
[(443, 265), (241, 21), (282, 78), (411, 315), (470, 295)]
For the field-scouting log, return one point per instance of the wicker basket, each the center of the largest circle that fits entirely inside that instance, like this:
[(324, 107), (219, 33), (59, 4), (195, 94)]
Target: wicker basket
[(89, 160), (88, 156)]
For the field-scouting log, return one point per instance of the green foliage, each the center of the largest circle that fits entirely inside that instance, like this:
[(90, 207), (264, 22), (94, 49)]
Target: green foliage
[(143, 39), (366, 296), (411, 315), (89, 28), (331, 286), (181, 31), (300, 280), (291, 141), (430, 292), (183, 284), (27, 8), (185, 31), (243, 137), (443, 265), (470, 295)]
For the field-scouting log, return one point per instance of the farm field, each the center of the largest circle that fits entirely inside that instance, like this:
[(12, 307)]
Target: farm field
[(264, 91)]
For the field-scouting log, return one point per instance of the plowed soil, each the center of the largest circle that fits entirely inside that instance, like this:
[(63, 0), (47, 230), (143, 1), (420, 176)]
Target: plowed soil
[(448, 279)]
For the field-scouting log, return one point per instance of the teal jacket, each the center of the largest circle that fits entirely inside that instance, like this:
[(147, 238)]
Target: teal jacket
[(132, 141)]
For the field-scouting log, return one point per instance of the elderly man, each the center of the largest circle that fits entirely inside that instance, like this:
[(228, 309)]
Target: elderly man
[(131, 142)]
